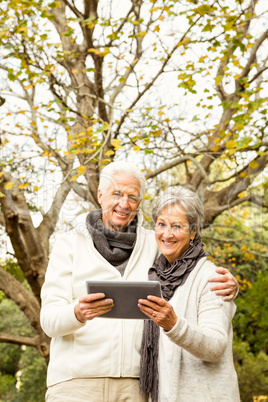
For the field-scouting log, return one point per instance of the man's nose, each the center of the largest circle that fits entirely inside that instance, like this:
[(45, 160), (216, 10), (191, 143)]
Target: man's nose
[(124, 202)]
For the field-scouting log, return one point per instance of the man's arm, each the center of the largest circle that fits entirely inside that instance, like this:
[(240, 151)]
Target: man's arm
[(228, 288)]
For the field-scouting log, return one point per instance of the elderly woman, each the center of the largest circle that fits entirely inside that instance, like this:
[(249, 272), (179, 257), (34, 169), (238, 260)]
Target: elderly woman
[(187, 344)]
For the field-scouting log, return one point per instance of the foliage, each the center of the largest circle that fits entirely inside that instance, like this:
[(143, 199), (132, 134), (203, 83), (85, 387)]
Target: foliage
[(251, 321), (251, 370), (33, 378), (16, 359), (238, 240)]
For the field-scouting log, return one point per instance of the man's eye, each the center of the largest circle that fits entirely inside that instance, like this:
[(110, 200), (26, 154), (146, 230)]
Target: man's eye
[(117, 194), (133, 199)]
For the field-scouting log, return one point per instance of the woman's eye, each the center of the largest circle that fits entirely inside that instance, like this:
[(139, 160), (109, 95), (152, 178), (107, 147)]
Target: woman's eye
[(177, 227), (160, 225)]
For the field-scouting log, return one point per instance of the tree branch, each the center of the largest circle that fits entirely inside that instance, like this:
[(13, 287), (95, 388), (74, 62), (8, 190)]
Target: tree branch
[(176, 162), (50, 219), (27, 303)]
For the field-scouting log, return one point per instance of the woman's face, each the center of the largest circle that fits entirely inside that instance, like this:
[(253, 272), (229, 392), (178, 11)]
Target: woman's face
[(172, 232)]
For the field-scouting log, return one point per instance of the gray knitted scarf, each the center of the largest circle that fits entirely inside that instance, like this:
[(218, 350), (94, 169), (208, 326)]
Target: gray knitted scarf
[(113, 245), (170, 277)]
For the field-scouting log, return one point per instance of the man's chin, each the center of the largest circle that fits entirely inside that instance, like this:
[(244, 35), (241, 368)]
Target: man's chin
[(120, 226)]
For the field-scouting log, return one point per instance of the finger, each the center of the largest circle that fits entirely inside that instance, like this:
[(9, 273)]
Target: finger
[(228, 298), (90, 310), (158, 300), (147, 304), (222, 286), (223, 291), (152, 304), (96, 304), (147, 311), (221, 270), (91, 297), (221, 278)]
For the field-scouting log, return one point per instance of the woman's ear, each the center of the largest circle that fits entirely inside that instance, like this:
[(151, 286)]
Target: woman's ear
[(193, 234)]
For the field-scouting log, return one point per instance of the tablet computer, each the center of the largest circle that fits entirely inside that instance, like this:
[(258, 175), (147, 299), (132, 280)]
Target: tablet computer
[(125, 295)]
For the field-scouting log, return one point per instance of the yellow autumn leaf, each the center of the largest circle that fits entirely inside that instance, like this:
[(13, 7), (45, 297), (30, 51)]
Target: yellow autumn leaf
[(243, 174), (215, 149), (2, 195), (141, 34), (241, 194), (9, 185), (24, 185), (116, 144), (254, 164), (109, 152), (147, 197), (27, 86), (81, 169), (36, 188), (74, 71)]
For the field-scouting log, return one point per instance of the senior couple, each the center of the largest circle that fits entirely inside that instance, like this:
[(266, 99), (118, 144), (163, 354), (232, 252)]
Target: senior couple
[(184, 351)]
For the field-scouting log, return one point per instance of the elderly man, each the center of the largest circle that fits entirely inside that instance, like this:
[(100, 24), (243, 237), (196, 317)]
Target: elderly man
[(95, 359)]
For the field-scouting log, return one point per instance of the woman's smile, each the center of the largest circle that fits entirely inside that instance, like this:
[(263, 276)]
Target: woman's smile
[(172, 232)]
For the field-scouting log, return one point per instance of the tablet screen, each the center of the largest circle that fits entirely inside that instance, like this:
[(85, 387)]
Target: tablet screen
[(125, 295)]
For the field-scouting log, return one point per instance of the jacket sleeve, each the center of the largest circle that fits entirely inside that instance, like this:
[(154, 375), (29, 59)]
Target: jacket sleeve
[(57, 311), (207, 338)]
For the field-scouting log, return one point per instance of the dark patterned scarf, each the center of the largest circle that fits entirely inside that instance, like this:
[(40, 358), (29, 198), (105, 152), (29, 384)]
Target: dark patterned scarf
[(113, 245), (170, 277)]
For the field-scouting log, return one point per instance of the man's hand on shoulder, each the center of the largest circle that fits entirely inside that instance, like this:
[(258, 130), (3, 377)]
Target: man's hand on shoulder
[(228, 288)]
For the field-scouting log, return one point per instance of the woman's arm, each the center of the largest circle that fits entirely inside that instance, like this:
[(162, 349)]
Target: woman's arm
[(208, 338)]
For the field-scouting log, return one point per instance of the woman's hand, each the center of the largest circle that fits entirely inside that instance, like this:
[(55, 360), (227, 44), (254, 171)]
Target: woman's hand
[(228, 288), (91, 306), (159, 310)]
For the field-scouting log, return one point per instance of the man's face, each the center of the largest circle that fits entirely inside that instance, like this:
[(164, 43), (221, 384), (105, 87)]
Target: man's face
[(120, 202)]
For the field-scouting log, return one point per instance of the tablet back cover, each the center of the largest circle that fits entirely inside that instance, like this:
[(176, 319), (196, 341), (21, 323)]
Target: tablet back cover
[(125, 295)]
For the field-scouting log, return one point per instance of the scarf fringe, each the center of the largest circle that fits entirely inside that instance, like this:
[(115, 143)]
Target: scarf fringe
[(149, 378)]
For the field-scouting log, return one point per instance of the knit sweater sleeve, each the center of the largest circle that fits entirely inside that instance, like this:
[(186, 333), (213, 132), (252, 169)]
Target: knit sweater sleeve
[(203, 331), (57, 312)]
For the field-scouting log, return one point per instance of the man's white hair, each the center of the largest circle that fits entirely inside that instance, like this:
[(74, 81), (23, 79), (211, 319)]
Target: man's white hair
[(121, 168)]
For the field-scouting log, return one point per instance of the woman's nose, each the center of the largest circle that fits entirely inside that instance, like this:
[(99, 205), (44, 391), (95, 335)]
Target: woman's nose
[(168, 231)]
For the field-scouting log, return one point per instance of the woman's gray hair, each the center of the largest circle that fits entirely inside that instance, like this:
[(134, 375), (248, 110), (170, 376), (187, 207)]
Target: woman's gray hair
[(119, 168), (188, 200)]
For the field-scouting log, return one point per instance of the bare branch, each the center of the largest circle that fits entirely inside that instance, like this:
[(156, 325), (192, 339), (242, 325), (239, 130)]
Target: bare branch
[(27, 303), (73, 9), (18, 340), (177, 162), (252, 56), (50, 219)]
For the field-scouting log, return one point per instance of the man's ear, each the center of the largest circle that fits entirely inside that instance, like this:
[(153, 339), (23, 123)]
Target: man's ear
[(99, 196)]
